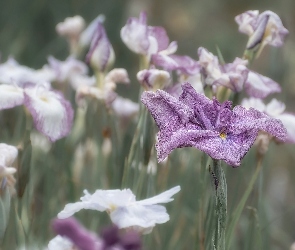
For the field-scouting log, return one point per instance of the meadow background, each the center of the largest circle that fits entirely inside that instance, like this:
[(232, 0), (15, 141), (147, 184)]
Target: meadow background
[(27, 33)]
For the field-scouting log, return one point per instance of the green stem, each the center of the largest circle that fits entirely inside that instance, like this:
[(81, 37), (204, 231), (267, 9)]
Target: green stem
[(238, 211), (220, 205)]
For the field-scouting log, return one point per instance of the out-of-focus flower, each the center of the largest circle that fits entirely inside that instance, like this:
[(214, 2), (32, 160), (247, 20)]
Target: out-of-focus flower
[(105, 90), (74, 233), (183, 64), (101, 54), (143, 39), (71, 27), (212, 127), (237, 73), (153, 79), (123, 208), (68, 70), (87, 35), (8, 155), (11, 96), (52, 114), (260, 86), (262, 29), (113, 239), (231, 75), (275, 109), (61, 243), (12, 73), (124, 107)]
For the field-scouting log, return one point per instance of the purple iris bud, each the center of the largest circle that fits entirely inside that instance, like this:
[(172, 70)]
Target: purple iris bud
[(193, 120), (101, 54)]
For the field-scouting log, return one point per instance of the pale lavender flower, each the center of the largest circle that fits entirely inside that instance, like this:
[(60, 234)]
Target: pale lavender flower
[(264, 28), (71, 70), (106, 90), (123, 208), (275, 109), (153, 78), (143, 39), (101, 54), (51, 112), (237, 73), (183, 64), (232, 75), (260, 86), (193, 120)]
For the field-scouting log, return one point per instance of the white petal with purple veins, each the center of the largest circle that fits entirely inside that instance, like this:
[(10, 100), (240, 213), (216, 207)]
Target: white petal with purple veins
[(52, 114)]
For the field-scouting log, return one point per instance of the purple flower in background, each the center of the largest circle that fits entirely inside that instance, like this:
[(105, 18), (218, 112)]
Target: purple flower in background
[(143, 39), (264, 28), (76, 235), (193, 120)]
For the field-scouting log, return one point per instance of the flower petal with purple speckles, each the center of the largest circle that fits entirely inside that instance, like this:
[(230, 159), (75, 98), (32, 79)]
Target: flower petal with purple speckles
[(52, 114), (212, 127), (260, 86), (10, 96)]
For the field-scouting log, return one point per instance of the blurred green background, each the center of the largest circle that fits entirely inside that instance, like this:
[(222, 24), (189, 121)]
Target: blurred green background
[(27, 32)]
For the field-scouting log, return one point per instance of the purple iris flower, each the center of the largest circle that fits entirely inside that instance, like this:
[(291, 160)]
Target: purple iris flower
[(194, 120)]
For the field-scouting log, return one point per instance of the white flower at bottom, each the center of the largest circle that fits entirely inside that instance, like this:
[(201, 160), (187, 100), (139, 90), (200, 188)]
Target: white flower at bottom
[(61, 243), (123, 208)]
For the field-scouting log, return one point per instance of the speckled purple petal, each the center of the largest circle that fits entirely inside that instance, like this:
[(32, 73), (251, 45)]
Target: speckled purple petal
[(52, 114), (260, 86), (210, 126)]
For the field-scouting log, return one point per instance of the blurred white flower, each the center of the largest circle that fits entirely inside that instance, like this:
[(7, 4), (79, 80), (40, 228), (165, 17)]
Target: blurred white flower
[(71, 27), (123, 208), (8, 155), (61, 243)]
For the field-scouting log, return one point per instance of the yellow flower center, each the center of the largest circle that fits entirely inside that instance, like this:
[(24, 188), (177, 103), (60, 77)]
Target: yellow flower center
[(222, 135)]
